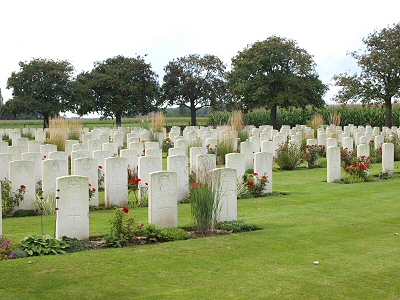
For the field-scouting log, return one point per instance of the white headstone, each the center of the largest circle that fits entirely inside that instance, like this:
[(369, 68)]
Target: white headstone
[(163, 204), (58, 155), (3, 147), (334, 171), (176, 151), (17, 151), (4, 165), (148, 164), (132, 158), (194, 151), (88, 167), (205, 163), (116, 181), (263, 162), (224, 183), (36, 157), (362, 150), (113, 147), (348, 144), (45, 149), (179, 164), (68, 145), (22, 172), (236, 161), (34, 146), (247, 149), (72, 214), (51, 169), (153, 152), (388, 158)]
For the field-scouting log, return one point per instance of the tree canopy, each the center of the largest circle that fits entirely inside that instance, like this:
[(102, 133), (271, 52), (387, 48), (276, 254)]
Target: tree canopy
[(115, 87), (194, 82), (42, 86), (275, 73), (379, 79)]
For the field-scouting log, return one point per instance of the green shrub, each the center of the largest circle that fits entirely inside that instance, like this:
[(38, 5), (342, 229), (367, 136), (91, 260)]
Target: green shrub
[(19, 253), (75, 245), (25, 213), (235, 226), (43, 245), (174, 234), (288, 156)]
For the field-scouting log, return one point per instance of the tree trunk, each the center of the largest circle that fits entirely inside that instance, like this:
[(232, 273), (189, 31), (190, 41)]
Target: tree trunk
[(273, 116), (192, 113), (388, 116), (46, 120), (118, 121)]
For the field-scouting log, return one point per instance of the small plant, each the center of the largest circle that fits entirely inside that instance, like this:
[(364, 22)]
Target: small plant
[(288, 156), (92, 190), (43, 245), (167, 144), (158, 122), (311, 156), (11, 199), (204, 206), (174, 234), (5, 248), (255, 184), (358, 169), (75, 245), (19, 253), (235, 226), (45, 205), (100, 178)]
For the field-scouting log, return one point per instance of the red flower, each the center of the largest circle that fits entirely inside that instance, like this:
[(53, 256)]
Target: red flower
[(94, 189), (362, 166), (371, 141), (210, 149), (355, 165), (90, 184), (250, 183), (100, 167), (125, 209), (23, 186), (348, 170), (142, 225), (146, 183), (137, 180), (265, 177), (44, 156), (347, 165), (130, 180), (255, 174)]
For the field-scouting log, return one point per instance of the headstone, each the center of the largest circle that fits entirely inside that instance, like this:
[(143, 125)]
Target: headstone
[(151, 145), (116, 181), (22, 172), (379, 140), (138, 147), (94, 145), (72, 214), (68, 145), (194, 151), (153, 152), (5, 159), (331, 142), (388, 158), (205, 163), (45, 149), (348, 144), (78, 154), (236, 161), (34, 146), (363, 150), (36, 157), (224, 183), (132, 158), (182, 143), (58, 155), (334, 171), (176, 151), (267, 146), (51, 169), (17, 151), (163, 204), (146, 165), (3, 147), (179, 164), (40, 136), (110, 147), (88, 167), (263, 162), (247, 149)]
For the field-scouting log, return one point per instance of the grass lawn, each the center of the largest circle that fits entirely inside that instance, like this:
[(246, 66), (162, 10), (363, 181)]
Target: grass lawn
[(350, 229)]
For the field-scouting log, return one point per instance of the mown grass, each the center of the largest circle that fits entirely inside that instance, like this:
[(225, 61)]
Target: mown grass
[(350, 229)]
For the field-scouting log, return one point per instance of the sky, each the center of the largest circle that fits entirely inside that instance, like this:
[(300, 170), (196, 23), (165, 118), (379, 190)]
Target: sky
[(87, 31)]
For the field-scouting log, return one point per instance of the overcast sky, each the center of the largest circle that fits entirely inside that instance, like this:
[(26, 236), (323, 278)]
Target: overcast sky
[(86, 31)]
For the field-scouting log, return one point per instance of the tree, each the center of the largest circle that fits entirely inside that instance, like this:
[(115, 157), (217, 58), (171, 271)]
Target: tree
[(275, 72), (115, 87), (41, 86), (379, 79), (194, 82)]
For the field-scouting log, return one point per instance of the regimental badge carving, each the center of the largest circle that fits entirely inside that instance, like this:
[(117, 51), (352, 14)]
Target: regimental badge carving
[(73, 186), (22, 169)]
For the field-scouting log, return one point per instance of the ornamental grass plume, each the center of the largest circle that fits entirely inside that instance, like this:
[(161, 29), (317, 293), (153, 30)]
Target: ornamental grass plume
[(158, 122)]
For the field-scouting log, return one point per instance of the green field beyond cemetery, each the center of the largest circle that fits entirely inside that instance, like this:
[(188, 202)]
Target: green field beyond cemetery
[(350, 229)]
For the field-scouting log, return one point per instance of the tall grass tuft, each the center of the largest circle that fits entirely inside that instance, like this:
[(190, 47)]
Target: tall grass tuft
[(316, 122), (62, 129), (204, 206), (158, 122), (236, 121), (335, 117)]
